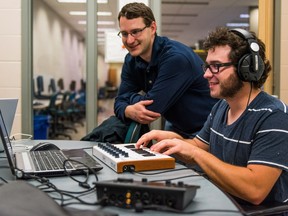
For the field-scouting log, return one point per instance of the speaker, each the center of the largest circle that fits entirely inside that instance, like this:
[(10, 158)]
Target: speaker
[(251, 66)]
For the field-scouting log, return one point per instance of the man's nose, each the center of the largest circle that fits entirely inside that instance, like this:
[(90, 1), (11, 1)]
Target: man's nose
[(207, 74)]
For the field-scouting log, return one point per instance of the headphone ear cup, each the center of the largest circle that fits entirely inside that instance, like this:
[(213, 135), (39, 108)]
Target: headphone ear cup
[(245, 69)]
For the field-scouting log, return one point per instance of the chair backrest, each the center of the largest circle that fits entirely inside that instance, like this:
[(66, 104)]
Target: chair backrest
[(40, 84), (135, 131), (52, 86), (53, 99)]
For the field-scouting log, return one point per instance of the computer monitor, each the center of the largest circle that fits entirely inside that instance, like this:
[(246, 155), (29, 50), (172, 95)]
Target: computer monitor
[(40, 84), (52, 86), (60, 84)]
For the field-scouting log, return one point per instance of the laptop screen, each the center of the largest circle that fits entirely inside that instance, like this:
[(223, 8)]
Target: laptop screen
[(8, 108), (5, 142)]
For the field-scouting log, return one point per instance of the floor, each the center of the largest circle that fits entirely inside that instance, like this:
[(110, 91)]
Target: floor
[(105, 110)]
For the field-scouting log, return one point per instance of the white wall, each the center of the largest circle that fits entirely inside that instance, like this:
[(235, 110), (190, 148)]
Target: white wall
[(10, 55), (58, 51)]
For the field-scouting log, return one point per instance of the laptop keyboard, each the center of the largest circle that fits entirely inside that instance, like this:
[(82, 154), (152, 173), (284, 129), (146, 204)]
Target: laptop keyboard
[(49, 160)]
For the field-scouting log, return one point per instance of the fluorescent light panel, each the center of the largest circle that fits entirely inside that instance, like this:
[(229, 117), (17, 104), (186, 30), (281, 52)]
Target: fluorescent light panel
[(83, 13), (237, 25), (72, 1), (82, 1), (84, 22), (244, 16), (106, 29), (78, 13)]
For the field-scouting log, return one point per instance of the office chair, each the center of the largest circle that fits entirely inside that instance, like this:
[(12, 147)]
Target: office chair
[(59, 116), (60, 84), (52, 86), (135, 131), (40, 88), (75, 112)]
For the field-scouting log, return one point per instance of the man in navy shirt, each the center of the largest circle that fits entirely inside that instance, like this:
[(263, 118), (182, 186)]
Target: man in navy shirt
[(243, 145), (160, 77)]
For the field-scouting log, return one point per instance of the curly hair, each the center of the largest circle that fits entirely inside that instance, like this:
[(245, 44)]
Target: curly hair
[(136, 10), (222, 36)]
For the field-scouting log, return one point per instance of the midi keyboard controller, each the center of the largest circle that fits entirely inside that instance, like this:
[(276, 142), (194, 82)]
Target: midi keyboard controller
[(126, 158)]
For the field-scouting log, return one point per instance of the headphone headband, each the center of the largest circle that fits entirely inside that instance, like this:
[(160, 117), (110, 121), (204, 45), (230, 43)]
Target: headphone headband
[(251, 66)]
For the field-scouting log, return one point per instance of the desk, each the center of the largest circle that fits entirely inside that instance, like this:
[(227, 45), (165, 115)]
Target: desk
[(208, 196), (43, 104)]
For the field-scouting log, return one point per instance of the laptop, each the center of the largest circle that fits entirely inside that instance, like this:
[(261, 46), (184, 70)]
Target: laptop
[(23, 166), (8, 108)]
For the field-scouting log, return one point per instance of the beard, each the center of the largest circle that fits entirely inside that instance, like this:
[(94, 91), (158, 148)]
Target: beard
[(231, 86)]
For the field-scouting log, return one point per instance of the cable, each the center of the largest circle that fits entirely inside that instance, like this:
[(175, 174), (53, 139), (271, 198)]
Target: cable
[(3, 180), (161, 172), (84, 183), (243, 124), (169, 209), (49, 188), (29, 137)]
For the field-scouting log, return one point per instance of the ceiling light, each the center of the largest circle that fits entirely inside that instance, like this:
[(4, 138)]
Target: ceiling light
[(244, 16), (84, 22), (105, 22), (180, 3), (104, 13), (237, 25), (78, 13), (106, 29), (82, 1), (83, 13), (72, 1), (102, 1)]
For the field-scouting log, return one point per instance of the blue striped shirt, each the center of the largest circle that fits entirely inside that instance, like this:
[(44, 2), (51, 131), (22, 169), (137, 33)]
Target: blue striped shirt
[(259, 136)]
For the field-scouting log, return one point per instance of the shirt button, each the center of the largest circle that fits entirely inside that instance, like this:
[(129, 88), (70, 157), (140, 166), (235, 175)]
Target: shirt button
[(150, 82)]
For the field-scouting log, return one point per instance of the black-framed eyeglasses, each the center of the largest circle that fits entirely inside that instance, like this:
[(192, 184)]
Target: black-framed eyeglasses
[(134, 33), (214, 67)]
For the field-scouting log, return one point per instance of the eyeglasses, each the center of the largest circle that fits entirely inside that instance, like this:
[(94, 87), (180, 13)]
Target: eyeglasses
[(214, 67), (134, 33)]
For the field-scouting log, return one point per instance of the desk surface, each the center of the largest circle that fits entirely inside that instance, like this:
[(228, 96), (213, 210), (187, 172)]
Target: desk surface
[(208, 196), (44, 103)]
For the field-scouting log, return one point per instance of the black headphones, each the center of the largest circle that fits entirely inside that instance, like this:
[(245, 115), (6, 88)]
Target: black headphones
[(250, 66)]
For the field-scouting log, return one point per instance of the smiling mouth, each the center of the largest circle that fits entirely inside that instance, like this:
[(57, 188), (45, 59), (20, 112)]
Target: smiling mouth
[(211, 84)]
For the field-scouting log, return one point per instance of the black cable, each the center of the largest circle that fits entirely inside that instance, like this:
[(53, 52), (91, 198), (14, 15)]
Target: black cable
[(48, 187), (4, 180), (170, 179), (172, 210), (84, 183), (161, 172), (243, 124)]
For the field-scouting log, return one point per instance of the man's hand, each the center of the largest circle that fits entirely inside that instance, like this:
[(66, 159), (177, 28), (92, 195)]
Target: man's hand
[(139, 113), (156, 135)]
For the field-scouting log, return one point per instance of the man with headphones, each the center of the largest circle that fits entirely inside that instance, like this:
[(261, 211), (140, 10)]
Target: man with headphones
[(243, 145)]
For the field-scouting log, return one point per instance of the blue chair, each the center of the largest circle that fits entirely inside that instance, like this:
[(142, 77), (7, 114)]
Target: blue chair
[(135, 131)]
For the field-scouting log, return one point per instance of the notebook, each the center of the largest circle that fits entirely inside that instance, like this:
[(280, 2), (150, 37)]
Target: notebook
[(22, 165), (8, 108)]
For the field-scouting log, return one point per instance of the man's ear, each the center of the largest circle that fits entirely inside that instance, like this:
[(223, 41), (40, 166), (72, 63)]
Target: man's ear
[(153, 27)]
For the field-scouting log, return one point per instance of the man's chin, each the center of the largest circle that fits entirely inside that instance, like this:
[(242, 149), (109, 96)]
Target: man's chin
[(134, 53)]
